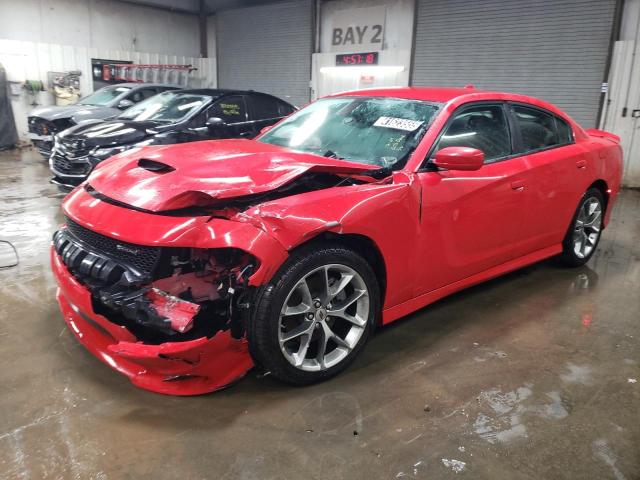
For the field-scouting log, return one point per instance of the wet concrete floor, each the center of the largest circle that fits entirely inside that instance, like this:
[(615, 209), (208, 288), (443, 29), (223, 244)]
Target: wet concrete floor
[(533, 375)]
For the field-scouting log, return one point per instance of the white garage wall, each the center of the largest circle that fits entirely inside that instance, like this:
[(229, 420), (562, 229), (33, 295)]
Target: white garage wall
[(31, 61), (100, 24), (398, 31), (394, 52)]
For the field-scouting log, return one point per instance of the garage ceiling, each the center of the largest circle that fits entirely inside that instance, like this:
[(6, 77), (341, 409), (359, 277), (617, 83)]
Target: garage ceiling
[(193, 6)]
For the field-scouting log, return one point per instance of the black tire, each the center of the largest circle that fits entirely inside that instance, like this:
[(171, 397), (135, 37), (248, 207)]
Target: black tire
[(264, 324), (569, 257)]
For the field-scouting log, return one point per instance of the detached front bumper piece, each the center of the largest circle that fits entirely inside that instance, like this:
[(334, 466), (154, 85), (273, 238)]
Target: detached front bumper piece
[(190, 367)]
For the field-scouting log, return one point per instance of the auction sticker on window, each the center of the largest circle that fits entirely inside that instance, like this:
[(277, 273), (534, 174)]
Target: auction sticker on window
[(398, 123)]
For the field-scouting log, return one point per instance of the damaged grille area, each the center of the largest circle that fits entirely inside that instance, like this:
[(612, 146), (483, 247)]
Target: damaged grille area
[(68, 167), (159, 294), (40, 126), (143, 259)]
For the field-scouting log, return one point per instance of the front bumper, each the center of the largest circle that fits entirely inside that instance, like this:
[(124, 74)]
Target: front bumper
[(174, 368), (43, 143)]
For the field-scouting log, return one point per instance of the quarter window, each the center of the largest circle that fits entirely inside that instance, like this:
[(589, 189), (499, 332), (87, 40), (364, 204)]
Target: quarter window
[(540, 130), (565, 135), (265, 107), (230, 109), (483, 127), (142, 94)]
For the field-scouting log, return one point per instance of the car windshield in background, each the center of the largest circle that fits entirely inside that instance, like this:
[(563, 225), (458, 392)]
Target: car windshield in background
[(166, 107), (104, 96), (376, 131)]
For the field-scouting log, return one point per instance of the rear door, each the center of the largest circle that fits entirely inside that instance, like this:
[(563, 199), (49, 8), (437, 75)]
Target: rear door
[(553, 161), (471, 220)]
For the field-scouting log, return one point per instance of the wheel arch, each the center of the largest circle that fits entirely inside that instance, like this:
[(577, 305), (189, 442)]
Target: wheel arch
[(362, 245), (604, 189)]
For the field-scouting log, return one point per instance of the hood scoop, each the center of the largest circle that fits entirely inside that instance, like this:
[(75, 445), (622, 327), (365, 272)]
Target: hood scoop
[(154, 166)]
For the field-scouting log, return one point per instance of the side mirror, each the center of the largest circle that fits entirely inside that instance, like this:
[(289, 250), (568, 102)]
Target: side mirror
[(216, 122), (265, 129), (459, 158), (124, 104)]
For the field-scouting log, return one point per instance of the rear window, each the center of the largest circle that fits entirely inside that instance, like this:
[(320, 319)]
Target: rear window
[(539, 129)]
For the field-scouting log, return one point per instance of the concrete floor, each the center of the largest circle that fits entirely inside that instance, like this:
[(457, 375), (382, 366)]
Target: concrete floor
[(532, 375)]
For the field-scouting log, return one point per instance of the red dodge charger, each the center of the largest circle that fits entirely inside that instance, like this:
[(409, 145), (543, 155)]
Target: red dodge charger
[(182, 266)]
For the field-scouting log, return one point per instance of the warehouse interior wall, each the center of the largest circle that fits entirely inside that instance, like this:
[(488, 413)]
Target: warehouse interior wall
[(267, 48), (100, 24), (621, 111), (393, 47), (37, 36)]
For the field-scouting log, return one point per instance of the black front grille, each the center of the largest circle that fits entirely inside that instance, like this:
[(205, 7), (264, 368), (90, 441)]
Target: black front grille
[(74, 148), (40, 126), (144, 259), (64, 165)]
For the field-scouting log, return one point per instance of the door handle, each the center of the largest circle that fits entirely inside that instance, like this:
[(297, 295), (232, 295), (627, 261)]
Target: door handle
[(581, 164), (518, 185)]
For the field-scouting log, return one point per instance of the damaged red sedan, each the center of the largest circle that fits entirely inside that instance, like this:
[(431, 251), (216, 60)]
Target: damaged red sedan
[(183, 266)]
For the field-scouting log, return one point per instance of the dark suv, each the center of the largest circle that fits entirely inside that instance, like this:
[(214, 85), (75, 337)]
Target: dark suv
[(177, 116)]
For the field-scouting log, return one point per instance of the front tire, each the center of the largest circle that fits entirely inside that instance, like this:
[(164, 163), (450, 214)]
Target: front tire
[(315, 316), (586, 228)]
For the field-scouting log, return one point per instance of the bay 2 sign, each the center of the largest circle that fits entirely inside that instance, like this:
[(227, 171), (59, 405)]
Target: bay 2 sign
[(358, 29)]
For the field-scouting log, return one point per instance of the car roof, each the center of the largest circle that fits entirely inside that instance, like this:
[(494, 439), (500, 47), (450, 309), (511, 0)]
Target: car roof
[(220, 91), (143, 85), (429, 94), (454, 97)]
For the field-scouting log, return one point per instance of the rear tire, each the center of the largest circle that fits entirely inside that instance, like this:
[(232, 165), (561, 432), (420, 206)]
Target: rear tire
[(585, 231), (315, 316)]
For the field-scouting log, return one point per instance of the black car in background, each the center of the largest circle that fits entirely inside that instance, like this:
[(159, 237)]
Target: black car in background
[(177, 116), (107, 102)]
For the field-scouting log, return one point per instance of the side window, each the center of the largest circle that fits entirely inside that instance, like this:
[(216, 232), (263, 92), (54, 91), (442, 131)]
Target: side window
[(540, 129), (265, 107), (483, 127), (285, 109), (231, 109), (565, 135), (141, 94)]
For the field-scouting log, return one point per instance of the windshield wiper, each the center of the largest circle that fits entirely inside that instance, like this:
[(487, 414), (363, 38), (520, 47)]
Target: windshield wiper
[(332, 154), (377, 173)]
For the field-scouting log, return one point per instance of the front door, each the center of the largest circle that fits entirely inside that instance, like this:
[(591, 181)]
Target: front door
[(471, 219)]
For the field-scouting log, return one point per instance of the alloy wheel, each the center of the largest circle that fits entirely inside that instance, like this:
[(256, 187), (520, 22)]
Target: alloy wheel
[(323, 317), (587, 227)]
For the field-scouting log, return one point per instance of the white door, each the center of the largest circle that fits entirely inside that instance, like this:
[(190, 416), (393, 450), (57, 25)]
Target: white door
[(621, 114)]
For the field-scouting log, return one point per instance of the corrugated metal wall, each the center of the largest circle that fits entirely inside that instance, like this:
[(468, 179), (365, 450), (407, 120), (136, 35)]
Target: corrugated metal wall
[(267, 48), (552, 49)]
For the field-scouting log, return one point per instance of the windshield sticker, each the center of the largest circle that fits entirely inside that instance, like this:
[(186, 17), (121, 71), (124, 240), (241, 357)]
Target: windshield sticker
[(398, 123)]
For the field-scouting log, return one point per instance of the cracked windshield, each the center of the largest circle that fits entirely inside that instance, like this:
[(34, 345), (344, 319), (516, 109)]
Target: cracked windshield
[(378, 131)]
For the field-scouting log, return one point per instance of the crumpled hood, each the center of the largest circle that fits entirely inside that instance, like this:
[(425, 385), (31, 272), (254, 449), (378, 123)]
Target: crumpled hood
[(77, 113), (169, 177)]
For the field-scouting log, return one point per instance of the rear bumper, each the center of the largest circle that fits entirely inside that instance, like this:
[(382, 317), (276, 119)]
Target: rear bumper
[(174, 368)]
